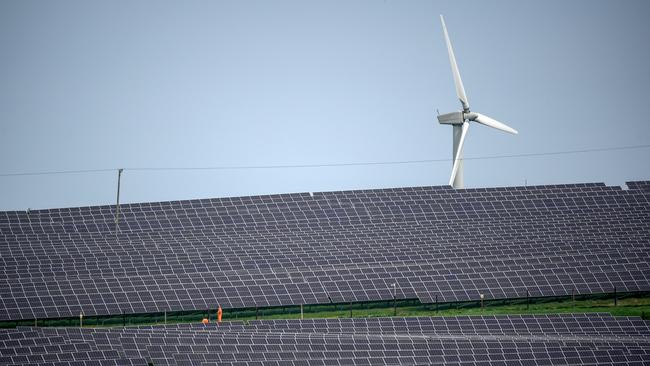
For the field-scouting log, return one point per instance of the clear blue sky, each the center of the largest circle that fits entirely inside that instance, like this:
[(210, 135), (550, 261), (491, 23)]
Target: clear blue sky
[(109, 84)]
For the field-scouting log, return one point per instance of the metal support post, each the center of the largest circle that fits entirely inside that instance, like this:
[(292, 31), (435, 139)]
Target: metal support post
[(394, 299), (436, 303), (573, 298)]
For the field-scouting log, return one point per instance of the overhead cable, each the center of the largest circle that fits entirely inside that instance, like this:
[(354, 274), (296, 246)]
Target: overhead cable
[(326, 165)]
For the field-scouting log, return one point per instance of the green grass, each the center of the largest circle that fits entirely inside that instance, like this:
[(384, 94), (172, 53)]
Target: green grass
[(632, 306)]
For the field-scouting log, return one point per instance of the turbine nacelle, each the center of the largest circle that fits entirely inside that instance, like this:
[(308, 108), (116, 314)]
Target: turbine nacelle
[(457, 118), (453, 118)]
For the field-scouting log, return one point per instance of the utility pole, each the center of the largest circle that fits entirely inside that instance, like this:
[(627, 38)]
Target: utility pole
[(117, 208)]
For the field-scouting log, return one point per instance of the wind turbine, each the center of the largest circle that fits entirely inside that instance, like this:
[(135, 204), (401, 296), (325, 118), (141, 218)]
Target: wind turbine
[(460, 120)]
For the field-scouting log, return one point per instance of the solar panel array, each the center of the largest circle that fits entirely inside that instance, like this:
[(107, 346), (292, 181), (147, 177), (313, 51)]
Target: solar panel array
[(573, 339), (430, 243)]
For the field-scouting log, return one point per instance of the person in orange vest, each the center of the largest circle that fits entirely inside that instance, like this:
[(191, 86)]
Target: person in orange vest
[(219, 314)]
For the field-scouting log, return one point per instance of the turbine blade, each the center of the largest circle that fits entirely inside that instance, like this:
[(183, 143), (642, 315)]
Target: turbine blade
[(459, 152), (460, 89), (485, 120)]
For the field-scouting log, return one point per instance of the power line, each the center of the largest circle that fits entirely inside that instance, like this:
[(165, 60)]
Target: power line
[(82, 171), (560, 152), (297, 166)]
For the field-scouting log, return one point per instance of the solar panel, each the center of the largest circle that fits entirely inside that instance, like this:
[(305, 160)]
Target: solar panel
[(433, 242), (572, 324), (599, 339)]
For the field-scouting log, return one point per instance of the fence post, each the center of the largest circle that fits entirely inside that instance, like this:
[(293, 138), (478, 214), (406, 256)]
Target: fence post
[(436, 304), (615, 300), (394, 298), (527, 300), (573, 298), (165, 316), (302, 314), (257, 313)]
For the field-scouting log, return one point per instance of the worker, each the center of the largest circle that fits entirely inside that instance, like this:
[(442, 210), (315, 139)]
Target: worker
[(219, 314), (205, 321)]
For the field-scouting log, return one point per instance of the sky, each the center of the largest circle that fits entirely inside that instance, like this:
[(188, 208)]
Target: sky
[(102, 85)]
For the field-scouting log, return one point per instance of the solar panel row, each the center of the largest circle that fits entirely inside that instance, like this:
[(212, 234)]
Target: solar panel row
[(336, 206), (433, 243), (453, 281), (569, 324), (85, 255), (516, 340)]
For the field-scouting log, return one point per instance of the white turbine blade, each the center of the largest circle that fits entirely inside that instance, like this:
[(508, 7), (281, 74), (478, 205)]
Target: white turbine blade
[(460, 89), (459, 152), (483, 119)]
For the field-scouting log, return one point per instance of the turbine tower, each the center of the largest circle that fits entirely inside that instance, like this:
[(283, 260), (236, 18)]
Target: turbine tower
[(460, 120)]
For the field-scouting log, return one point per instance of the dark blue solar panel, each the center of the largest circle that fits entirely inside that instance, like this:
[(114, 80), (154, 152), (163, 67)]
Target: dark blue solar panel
[(434, 242)]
